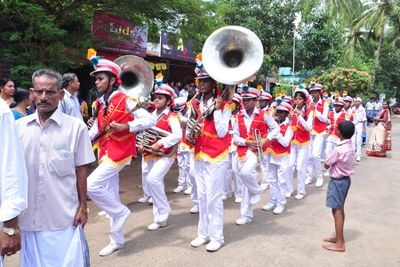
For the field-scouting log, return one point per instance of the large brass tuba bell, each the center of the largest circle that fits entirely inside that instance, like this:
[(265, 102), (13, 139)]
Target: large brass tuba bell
[(136, 76), (232, 54)]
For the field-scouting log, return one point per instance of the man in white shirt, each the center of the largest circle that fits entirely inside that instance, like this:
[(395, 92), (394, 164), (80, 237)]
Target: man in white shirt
[(13, 180), (359, 117), (70, 103), (57, 153)]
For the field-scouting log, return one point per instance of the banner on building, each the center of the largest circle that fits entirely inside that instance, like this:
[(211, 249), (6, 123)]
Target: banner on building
[(119, 35), (174, 47)]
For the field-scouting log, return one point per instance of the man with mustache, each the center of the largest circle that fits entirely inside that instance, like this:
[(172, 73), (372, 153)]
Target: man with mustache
[(57, 153)]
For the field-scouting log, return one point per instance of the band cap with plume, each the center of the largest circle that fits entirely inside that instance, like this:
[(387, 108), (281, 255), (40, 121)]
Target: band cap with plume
[(103, 65), (201, 73), (162, 88)]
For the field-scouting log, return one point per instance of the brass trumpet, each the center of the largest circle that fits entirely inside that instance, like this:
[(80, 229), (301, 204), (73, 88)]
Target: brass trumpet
[(257, 137), (150, 136)]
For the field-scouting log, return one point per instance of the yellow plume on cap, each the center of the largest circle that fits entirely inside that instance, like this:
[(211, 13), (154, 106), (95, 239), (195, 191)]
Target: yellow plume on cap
[(199, 57), (159, 76), (91, 53), (260, 88)]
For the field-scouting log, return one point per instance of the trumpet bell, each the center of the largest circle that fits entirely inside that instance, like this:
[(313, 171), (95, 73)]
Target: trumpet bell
[(232, 54), (136, 76)]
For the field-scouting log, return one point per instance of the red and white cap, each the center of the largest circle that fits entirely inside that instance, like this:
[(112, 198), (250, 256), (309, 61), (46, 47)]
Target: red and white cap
[(339, 102), (287, 99), (284, 107), (105, 65), (358, 99), (316, 87), (348, 98), (165, 89), (250, 92), (265, 96), (201, 73), (236, 97), (301, 90)]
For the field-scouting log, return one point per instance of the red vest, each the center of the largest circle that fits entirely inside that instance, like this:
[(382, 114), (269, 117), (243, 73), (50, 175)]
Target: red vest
[(334, 123), (257, 123), (119, 147), (300, 135), (162, 123), (319, 126), (208, 145), (275, 148)]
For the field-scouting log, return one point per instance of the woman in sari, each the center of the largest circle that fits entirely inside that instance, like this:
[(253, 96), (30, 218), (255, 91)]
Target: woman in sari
[(380, 140)]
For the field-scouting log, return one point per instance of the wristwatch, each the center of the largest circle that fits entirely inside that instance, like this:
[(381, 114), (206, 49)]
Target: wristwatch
[(10, 231)]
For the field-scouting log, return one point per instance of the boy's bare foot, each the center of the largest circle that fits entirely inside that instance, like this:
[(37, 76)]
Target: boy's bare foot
[(333, 248), (330, 239)]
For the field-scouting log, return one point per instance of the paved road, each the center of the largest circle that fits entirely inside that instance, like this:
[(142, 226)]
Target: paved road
[(372, 228)]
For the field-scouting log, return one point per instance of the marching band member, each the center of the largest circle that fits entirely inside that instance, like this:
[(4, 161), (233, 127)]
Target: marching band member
[(249, 120), (335, 117), (359, 118), (211, 155), (348, 100), (116, 148), (320, 114), (279, 150), (233, 170), (183, 153), (155, 167), (301, 125)]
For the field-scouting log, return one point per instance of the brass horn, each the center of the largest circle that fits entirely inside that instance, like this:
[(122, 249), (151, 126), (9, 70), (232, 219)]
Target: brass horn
[(136, 76), (232, 54)]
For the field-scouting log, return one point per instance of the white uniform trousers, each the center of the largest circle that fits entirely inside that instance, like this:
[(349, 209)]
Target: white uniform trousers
[(229, 176), (356, 140), (192, 177), (145, 187), (209, 179), (103, 190), (277, 183), (248, 174), (298, 160), (234, 173), (183, 165), (265, 161), (315, 156), (154, 171)]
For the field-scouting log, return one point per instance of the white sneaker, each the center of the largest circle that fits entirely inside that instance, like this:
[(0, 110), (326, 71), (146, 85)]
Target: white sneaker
[(288, 194), (195, 209), (109, 249), (319, 183), (157, 225), (299, 196), (188, 190), (179, 189), (255, 199), (199, 241), (151, 200), (326, 174), (213, 246), (269, 206), (143, 199), (118, 222), (308, 181), (238, 200), (358, 159), (279, 209), (264, 186), (244, 220)]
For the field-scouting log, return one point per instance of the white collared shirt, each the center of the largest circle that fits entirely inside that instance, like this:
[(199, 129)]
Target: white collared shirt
[(70, 105), (52, 153), (359, 115), (13, 174)]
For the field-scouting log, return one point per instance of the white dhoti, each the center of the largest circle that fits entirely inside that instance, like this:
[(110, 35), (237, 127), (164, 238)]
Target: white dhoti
[(209, 179), (64, 248), (298, 160), (154, 171)]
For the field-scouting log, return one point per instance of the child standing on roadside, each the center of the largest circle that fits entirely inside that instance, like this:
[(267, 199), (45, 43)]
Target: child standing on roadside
[(340, 162)]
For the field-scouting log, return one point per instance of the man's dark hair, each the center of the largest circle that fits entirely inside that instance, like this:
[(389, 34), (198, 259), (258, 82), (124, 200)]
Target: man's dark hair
[(346, 128)]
